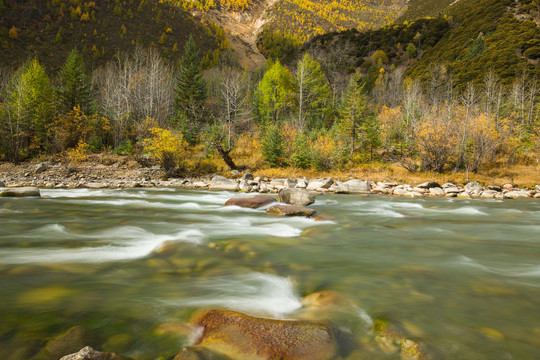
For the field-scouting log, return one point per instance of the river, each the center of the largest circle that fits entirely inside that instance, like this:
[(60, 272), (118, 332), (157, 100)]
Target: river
[(131, 266)]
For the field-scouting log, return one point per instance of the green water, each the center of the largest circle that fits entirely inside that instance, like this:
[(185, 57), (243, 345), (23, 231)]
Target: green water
[(463, 276)]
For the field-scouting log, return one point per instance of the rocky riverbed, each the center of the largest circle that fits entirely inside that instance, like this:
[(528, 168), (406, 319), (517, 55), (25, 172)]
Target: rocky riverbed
[(129, 175)]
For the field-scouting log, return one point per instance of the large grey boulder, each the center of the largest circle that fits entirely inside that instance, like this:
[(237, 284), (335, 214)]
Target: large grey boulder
[(436, 191), (358, 186), (221, 183), (88, 353), (20, 192), (298, 197), (317, 184), (537, 187)]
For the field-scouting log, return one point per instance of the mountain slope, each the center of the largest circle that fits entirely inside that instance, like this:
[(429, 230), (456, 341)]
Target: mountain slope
[(100, 29), (472, 37)]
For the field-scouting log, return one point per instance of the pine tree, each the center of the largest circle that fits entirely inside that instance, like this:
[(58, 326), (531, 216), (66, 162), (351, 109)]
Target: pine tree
[(313, 93), (354, 110), (273, 146), (75, 87), (190, 92)]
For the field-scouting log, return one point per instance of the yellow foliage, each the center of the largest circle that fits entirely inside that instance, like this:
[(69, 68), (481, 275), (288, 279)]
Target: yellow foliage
[(78, 154), (85, 17), (165, 146), (248, 150), (13, 32)]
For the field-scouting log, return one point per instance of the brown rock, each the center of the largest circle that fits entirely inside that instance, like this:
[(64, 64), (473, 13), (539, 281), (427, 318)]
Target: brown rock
[(66, 343), (240, 336), (290, 210), (252, 201)]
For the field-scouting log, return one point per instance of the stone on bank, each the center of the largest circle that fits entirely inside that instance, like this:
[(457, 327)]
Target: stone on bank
[(20, 192)]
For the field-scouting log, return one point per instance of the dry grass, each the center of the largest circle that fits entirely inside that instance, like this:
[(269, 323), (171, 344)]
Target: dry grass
[(519, 175)]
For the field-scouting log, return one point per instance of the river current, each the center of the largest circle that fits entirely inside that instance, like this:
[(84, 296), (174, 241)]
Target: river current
[(461, 275)]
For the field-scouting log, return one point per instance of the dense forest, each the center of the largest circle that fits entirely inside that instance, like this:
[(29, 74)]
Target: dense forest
[(458, 92), (313, 115)]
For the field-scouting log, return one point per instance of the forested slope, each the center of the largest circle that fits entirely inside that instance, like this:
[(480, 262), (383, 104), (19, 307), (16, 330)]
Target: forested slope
[(99, 29)]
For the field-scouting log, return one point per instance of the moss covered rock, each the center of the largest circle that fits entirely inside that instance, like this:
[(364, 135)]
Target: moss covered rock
[(290, 210)]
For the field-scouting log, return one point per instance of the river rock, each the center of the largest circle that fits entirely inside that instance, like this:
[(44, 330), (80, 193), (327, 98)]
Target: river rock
[(436, 191), (87, 353), (537, 187), (95, 185), (20, 192), (473, 185), (247, 176), (240, 336), (243, 186), (516, 195), (297, 197), (290, 183), (318, 184), (339, 188), (251, 201), (494, 187), (487, 194), (41, 167), (221, 183), (290, 210), (429, 185), (451, 190), (69, 342), (301, 183), (358, 186), (2, 184), (199, 353)]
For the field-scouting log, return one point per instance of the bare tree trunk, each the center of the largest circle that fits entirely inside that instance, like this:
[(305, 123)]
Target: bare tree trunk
[(225, 156)]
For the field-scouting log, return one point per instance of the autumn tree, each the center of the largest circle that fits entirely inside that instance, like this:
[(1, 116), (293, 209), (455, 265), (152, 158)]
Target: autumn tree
[(354, 111), (274, 93)]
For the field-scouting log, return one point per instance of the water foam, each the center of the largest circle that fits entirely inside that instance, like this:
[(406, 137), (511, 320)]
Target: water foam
[(255, 293), (126, 243)]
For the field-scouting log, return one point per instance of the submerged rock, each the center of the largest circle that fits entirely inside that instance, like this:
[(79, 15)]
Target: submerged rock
[(290, 210), (199, 353), (87, 353), (297, 197), (20, 192), (252, 201), (66, 343), (240, 336), (412, 350)]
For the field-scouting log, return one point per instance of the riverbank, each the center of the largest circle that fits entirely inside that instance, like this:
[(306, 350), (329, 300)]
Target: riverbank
[(126, 173)]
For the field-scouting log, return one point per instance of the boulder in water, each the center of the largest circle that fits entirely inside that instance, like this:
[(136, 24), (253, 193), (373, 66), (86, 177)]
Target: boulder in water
[(290, 210), (20, 192), (252, 201), (297, 197), (516, 195), (240, 336), (87, 353)]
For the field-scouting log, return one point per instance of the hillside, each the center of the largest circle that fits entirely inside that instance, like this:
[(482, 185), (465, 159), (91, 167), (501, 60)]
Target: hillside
[(99, 29), (472, 37), (292, 22), (424, 8)]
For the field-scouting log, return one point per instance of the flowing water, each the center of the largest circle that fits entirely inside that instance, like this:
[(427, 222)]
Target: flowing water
[(133, 265)]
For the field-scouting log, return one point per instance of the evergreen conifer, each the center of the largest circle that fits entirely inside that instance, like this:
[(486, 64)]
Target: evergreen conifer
[(75, 87)]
